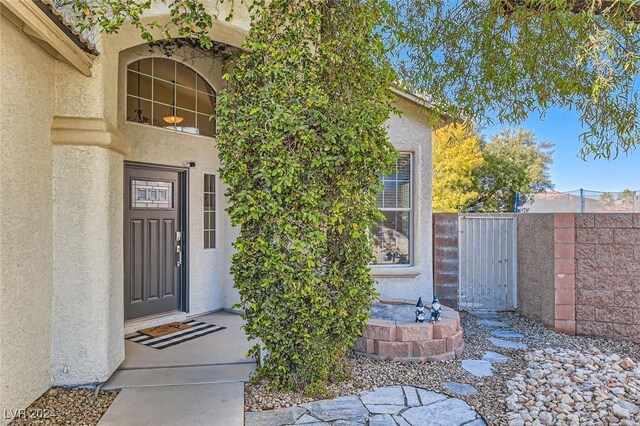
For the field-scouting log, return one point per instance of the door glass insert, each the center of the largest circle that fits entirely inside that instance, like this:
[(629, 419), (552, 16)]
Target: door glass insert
[(151, 194)]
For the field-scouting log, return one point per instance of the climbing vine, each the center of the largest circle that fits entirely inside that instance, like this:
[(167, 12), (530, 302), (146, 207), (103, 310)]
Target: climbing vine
[(302, 146)]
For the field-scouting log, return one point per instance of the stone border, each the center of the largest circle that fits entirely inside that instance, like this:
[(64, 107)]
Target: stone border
[(441, 341)]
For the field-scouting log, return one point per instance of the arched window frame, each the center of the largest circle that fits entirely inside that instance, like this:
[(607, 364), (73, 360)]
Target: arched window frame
[(149, 115)]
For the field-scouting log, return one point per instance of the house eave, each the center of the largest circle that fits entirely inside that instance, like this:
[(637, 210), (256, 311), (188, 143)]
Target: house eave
[(443, 118), (39, 26)]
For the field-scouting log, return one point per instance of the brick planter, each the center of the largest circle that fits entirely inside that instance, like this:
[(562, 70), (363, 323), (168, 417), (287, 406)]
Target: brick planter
[(411, 341)]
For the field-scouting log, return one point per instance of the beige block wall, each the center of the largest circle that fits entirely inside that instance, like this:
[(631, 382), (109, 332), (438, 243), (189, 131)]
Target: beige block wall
[(607, 265), (536, 267), (27, 108)]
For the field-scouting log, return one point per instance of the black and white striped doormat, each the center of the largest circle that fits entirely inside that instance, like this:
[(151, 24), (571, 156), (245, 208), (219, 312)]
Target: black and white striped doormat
[(198, 329)]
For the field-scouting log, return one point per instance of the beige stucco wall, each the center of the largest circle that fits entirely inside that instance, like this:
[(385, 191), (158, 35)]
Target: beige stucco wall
[(411, 133), (27, 108), (88, 301)]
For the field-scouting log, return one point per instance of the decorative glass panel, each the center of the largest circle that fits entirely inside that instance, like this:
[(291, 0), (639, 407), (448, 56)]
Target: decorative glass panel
[(392, 236), (209, 211), (151, 194)]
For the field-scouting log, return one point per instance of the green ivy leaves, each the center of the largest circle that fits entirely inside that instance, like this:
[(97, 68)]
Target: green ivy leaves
[(302, 144)]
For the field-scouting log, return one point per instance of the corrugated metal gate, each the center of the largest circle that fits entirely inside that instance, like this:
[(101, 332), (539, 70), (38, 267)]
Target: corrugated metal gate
[(488, 265)]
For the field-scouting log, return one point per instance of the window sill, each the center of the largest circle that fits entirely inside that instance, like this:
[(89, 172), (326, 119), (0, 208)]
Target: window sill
[(395, 271)]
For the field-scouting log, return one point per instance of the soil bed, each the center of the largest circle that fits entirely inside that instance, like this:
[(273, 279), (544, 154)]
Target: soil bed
[(64, 406)]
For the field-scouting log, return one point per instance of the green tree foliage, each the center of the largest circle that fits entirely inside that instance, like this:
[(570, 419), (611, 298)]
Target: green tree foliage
[(506, 59), (607, 198), (302, 145), (457, 155), (627, 196), (515, 162)]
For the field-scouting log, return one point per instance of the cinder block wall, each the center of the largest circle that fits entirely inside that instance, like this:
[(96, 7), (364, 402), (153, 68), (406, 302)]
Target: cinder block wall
[(536, 290), (595, 284), (607, 251), (445, 258)]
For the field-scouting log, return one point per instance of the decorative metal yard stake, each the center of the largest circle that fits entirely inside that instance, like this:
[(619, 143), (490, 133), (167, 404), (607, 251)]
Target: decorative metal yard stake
[(435, 309), (420, 315)]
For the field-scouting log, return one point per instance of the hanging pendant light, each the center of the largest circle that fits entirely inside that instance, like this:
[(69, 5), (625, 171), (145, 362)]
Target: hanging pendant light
[(173, 118)]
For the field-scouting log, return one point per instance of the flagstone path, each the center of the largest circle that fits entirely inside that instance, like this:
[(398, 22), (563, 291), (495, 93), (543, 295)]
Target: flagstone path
[(484, 367), (385, 406)]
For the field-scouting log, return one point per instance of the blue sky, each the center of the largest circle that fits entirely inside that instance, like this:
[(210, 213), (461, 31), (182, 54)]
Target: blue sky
[(570, 172)]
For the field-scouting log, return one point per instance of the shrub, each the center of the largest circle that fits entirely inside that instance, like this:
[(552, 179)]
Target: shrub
[(302, 144)]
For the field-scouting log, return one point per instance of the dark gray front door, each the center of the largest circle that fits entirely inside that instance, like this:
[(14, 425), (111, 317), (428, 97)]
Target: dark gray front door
[(153, 240)]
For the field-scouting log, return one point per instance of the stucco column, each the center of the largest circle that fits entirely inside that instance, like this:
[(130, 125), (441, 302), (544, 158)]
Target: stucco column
[(88, 315)]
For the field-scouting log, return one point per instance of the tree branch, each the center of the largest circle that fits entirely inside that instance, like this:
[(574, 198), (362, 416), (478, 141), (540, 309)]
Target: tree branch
[(629, 12)]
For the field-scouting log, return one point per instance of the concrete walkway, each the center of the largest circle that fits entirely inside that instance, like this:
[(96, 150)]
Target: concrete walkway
[(386, 406), (199, 382)]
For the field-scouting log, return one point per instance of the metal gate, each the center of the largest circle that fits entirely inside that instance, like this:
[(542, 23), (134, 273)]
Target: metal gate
[(488, 265)]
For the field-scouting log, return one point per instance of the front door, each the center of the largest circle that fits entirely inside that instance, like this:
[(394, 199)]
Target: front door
[(153, 240)]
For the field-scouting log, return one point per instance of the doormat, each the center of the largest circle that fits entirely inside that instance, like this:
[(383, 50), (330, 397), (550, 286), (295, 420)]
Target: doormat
[(196, 329), (164, 329)]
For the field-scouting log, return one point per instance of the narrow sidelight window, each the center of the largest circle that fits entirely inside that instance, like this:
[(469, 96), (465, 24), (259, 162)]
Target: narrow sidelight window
[(393, 236), (209, 211)]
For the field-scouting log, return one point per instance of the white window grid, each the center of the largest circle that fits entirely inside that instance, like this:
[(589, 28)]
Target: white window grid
[(409, 208), (152, 101), (209, 211)]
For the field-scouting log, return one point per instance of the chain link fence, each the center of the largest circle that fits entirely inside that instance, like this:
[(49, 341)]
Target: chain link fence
[(579, 201)]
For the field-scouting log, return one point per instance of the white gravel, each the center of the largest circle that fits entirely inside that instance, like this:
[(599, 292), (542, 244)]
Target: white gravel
[(569, 387)]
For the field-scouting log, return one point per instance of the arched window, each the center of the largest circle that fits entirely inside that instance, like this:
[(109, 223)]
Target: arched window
[(165, 93)]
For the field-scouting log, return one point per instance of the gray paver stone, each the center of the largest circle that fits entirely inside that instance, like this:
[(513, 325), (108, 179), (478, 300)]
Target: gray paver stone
[(283, 416), (348, 408), (506, 344), (307, 419), (317, 423), (477, 367), (495, 324), (388, 395), (348, 423), (429, 397), (495, 357), (401, 421), (450, 412), (508, 334), (411, 395), (385, 409), (382, 420), (460, 388)]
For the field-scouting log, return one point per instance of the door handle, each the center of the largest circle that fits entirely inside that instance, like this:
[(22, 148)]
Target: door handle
[(179, 256), (178, 249)]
